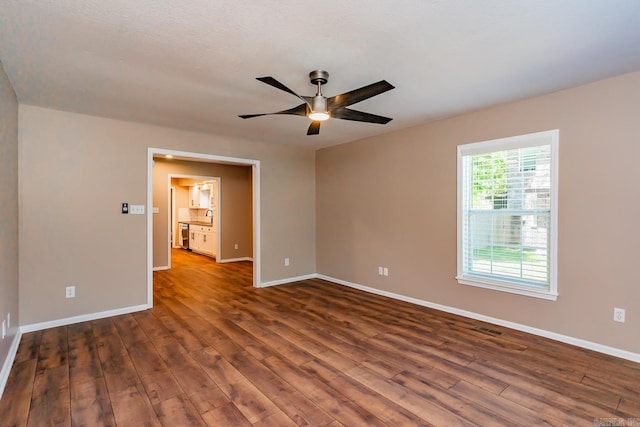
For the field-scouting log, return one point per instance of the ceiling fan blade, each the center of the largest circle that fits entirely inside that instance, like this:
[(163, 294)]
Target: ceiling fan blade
[(314, 128), (359, 116), (357, 95), (273, 82), (300, 110)]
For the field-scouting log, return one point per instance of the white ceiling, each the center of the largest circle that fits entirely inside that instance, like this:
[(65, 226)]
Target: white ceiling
[(192, 64)]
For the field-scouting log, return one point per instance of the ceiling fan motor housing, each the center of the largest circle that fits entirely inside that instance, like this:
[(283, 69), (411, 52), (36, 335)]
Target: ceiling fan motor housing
[(319, 77), (319, 103)]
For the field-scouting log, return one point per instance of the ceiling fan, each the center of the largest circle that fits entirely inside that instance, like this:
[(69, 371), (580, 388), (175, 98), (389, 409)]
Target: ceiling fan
[(319, 108)]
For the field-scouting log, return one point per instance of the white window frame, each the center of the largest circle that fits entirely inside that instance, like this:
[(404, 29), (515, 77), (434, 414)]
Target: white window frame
[(551, 138)]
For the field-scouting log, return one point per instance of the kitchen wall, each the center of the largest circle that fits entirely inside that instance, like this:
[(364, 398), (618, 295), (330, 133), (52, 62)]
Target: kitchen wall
[(234, 210), (76, 170), (8, 214), (391, 201)]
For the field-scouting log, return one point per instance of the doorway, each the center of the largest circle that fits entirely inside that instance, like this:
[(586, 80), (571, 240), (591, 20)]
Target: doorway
[(203, 158), (205, 210)]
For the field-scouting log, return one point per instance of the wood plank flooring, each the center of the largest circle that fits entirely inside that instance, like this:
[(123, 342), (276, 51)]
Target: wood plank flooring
[(215, 351)]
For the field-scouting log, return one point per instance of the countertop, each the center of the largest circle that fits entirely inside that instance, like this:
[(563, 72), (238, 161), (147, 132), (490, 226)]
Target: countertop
[(206, 224)]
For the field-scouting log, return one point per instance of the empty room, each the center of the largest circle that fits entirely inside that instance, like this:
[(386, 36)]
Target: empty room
[(319, 214)]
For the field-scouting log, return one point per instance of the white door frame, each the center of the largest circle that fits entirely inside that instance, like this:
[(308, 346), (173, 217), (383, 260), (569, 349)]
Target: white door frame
[(200, 157), (173, 236)]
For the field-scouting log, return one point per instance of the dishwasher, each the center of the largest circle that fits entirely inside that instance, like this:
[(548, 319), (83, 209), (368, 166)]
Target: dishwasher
[(184, 235)]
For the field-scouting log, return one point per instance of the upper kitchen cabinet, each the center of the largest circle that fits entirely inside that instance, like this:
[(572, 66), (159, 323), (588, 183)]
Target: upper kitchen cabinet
[(200, 196), (205, 196), (194, 196)]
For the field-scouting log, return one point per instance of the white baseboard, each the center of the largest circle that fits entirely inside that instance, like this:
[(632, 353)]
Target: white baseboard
[(600, 348), (288, 280), (8, 362), (235, 259), (162, 267), (82, 318)]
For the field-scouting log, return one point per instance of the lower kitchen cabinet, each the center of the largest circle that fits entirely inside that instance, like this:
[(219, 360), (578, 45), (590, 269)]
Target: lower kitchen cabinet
[(203, 239), (208, 244)]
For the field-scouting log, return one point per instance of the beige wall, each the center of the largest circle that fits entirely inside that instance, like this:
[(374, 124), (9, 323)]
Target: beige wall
[(391, 201), (8, 210), (76, 170), (234, 210)]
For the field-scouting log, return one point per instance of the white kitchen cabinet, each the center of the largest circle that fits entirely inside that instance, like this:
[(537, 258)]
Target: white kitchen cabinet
[(200, 197), (205, 198), (203, 239), (209, 244), (194, 197)]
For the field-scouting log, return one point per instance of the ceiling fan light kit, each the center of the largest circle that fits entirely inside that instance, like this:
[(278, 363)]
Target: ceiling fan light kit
[(319, 108)]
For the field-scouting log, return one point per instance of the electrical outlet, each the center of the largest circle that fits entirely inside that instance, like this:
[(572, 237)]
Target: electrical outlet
[(618, 314), (385, 271), (286, 262), (380, 271), (4, 329), (70, 292), (236, 246)]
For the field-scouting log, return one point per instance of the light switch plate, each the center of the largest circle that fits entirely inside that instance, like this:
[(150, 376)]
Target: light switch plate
[(136, 209)]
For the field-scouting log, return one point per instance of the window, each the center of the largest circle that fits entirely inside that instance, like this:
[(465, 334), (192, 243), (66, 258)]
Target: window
[(507, 214)]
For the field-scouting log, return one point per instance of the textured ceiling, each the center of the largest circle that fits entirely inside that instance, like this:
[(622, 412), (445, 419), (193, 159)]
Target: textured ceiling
[(192, 64)]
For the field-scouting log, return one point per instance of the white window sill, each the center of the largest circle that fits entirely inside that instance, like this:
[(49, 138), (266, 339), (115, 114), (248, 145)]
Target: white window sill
[(513, 288)]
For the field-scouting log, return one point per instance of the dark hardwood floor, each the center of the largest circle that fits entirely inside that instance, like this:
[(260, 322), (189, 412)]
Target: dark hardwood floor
[(215, 351)]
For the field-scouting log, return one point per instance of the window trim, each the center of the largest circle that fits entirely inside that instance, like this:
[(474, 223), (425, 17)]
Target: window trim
[(550, 137)]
